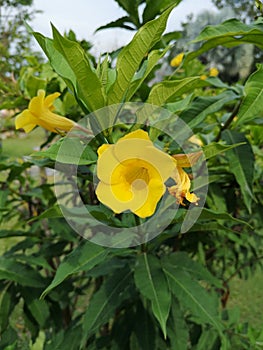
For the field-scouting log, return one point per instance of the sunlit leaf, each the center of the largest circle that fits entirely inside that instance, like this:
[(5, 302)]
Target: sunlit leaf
[(230, 33), (131, 56)]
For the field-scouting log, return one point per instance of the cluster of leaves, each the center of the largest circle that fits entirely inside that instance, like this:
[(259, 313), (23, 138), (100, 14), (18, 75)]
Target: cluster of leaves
[(170, 293)]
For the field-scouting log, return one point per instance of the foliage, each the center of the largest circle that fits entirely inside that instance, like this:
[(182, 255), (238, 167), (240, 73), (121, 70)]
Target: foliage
[(65, 291)]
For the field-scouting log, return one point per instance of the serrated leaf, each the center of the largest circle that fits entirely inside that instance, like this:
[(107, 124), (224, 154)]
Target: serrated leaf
[(83, 258), (152, 284), (193, 298), (87, 85), (241, 160), (251, 106), (131, 56), (115, 289)]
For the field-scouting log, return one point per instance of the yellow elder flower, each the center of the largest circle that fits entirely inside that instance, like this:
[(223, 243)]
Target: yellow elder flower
[(213, 72), (177, 60), (40, 113), (132, 174)]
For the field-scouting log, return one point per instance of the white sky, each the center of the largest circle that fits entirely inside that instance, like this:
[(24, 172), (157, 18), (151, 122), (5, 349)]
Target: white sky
[(84, 16)]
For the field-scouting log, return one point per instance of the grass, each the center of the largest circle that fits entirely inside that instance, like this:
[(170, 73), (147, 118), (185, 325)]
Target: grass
[(22, 144), (247, 295)]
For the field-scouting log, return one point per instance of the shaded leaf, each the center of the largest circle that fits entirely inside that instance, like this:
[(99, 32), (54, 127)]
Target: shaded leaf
[(12, 270), (152, 284), (115, 289), (194, 298), (181, 261), (83, 258), (201, 107), (241, 160), (251, 106)]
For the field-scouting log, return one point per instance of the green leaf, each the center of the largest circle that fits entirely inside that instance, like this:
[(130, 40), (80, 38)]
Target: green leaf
[(38, 308), (53, 212), (201, 107), (147, 67), (69, 151), (208, 214), (251, 106), (83, 258), (106, 300), (145, 329), (131, 56), (57, 61), (213, 149), (152, 284), (177, 328), (230, 33), (12, 270), (181, 261), (180, 105), (241, 160), (167, 91), (193, 298), (119, 23), (87, 84), (154, 8), (8, 300), (131, 7)]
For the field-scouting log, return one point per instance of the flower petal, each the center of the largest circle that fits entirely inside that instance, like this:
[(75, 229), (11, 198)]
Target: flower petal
[(48, 101), (144, 150), (107, 164), (107, 195), (155, 191), (25, 120)]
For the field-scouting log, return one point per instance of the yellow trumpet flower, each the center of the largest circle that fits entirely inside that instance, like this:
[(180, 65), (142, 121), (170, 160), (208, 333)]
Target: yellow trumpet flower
[(39, 112), (133, 173)]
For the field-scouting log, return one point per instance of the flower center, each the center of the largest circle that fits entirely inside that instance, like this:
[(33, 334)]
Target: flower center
[(137, 177)]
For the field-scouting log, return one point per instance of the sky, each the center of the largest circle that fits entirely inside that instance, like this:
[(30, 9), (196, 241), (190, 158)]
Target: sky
[(84, 16)]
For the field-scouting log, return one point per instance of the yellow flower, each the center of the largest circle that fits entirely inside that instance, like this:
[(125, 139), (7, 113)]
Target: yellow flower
[(182, 188), (213, 72), (203, 77), (133, 173), (40, 113), (177, 60)]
